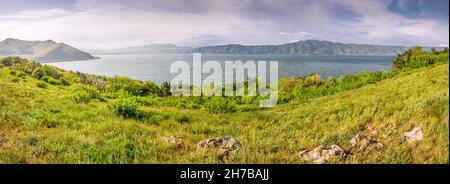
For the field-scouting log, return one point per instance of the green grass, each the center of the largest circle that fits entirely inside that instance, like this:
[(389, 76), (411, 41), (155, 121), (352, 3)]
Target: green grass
[(48, 125)]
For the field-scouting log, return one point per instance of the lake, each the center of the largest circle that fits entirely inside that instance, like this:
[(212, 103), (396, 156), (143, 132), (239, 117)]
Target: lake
[(156, 67)]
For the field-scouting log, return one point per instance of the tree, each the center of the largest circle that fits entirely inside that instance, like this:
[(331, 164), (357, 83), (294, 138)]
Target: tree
[(38, 73), (150, 88), (165, 89)]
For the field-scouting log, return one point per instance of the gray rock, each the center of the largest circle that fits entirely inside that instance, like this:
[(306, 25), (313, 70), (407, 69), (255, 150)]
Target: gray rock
[(361, 143), (173, 140), (225, 145), (321, 155), (415, 134)]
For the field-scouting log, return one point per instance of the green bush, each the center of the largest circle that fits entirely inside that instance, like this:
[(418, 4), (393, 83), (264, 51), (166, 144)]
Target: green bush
[(51, 71), (125, 107), (46, 78), (220, 105), (85, 94), (38, 73), (55, 82), (21, 75), (65, 82), (41, 84), (15, 80), (151, 88), (13, 72)]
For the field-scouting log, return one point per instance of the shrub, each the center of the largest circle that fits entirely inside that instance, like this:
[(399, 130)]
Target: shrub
[(165, 89), (150, 88), (46, 78), (41, 84), (21, 75), (51, 71), (182, 118), (65, 82), (124, 84), (220, 105), (13, 72), (38, 73), (125, 107), (15, 80), (85, 94), (53, 81)]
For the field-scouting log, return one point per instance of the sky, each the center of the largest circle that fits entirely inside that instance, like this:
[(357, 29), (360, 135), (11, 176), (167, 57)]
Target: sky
[(109, 24)]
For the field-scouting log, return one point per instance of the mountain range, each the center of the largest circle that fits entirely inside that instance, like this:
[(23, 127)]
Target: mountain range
[(42, 51), (306, 47), (50, 51)]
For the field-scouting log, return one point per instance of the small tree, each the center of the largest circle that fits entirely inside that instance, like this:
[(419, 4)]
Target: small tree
[(165, 89), (38, 73)]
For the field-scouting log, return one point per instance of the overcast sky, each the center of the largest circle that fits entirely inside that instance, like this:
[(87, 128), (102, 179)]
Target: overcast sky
[(106, 24)]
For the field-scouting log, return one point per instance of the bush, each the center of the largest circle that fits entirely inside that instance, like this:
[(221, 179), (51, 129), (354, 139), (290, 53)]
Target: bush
[(46, 78), (53, 81), (85, 94), (15, 80), (220, 105), (51, 71), (150, 88), (41, 84), (65, 82), (13, 72), (125, 107), (124, 85), (21, 75), (38, 73)]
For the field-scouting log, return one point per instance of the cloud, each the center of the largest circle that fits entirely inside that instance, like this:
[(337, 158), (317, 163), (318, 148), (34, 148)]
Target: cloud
[(297, 36), (50, 13), (116, 23)]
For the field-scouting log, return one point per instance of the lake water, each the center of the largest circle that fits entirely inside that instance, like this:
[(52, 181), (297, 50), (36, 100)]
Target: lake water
[(156, 67)]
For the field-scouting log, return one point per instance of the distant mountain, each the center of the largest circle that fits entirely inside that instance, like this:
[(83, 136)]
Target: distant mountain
[(148, 49), (307, 47), (42, 51)]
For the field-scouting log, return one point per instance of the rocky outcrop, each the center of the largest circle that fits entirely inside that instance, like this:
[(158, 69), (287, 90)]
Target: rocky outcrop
[(320, 154), (361, 143), (173, 140), (226, 145)]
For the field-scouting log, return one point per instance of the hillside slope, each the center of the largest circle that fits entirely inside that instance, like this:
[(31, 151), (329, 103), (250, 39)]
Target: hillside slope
[(42, 51), (46, 125)]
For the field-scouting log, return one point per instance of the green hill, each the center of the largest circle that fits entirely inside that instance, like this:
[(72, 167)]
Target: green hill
[(42, 51), (49, 115)]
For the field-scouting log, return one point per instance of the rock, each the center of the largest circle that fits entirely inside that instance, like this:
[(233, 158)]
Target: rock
[(320, 155), (415, 134), (226, 145), (225, 142), (361, 143), (173, 140)]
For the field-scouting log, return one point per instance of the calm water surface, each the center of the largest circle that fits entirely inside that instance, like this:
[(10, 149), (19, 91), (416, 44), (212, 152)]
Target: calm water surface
[(156, 67)]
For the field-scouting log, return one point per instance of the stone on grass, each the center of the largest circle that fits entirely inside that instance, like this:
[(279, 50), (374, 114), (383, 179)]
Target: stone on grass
[(225, 146), (415, 134), (321, 155)]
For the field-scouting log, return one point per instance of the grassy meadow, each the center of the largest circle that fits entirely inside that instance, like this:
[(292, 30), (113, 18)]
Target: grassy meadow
[(48, 115)]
